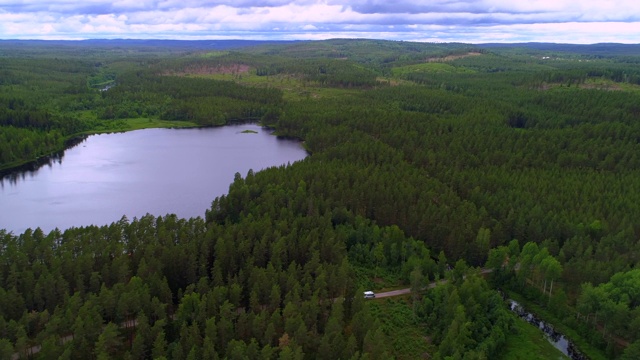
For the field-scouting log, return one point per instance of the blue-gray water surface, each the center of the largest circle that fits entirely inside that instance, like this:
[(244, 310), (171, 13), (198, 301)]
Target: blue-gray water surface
[(558, 340), (155, 171)]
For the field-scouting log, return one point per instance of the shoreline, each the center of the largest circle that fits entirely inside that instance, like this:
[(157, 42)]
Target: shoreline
[(74, 139), (133, 124)]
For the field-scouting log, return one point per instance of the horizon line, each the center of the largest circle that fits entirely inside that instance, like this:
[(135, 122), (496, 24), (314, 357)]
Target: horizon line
[(316, 40)]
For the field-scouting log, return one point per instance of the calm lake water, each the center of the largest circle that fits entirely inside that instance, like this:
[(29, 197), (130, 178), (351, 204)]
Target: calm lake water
[(155, 171)]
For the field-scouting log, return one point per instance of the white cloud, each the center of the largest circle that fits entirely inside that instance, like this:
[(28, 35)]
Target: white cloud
[(448, 20)]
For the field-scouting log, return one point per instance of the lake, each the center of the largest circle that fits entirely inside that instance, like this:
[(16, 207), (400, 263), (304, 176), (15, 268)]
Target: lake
[(155, 171)]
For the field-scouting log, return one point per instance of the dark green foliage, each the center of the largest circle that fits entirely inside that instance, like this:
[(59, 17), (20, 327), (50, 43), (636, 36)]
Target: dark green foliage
[(243, 267), (632, 352), (203, 101), (614, 305), (506, 144), (466, 318), (335, 73)]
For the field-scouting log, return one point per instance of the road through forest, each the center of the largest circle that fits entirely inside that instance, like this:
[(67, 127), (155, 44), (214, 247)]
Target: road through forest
[(128, 324), (429, 286)]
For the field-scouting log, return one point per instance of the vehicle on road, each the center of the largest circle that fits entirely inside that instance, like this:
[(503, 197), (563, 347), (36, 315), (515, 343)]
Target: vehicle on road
[(369, 295)]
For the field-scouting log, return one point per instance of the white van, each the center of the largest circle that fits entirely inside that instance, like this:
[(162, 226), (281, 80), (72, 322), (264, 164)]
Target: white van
[(369, 295)]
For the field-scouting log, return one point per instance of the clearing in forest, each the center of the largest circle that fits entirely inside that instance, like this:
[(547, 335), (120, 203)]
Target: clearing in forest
[(431, 67), (453, 57)]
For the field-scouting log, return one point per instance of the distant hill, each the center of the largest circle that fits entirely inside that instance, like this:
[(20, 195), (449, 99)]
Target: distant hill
[(602, 49), (141, 43), (361, 50), (199, 44), (124, 47)]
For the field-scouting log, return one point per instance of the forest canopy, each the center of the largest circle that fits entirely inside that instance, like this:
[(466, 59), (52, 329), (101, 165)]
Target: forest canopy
[(424, 158)]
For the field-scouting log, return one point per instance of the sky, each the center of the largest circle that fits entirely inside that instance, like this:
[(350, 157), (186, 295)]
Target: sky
[(467, 21)]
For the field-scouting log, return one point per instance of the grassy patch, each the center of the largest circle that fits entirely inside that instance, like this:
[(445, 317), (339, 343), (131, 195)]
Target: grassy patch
[(107, 126), (527, 342), (377, 279), (212, 54), (433, 67), (145, 123), (408, 339), (593, 84), (293, 87), (583, 345)]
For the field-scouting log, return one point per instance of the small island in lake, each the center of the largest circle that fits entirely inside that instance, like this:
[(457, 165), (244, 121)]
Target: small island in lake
[(249, 132)]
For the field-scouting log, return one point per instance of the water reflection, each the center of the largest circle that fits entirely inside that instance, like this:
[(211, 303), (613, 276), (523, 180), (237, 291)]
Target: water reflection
[(555, 338), (155, 171), (29, 170)]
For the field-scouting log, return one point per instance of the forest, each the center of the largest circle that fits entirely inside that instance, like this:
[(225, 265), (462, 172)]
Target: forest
[(428, 162)]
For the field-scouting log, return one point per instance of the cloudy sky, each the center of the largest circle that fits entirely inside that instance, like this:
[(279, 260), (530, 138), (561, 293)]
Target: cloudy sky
[(471, 21)]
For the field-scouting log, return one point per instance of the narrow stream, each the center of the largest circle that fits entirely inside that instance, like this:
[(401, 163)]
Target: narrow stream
[(555, 338)]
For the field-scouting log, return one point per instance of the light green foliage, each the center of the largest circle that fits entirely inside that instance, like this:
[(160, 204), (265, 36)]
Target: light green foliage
[(410, 340), (632, 351), (6, 349), (109, 341), (526, 342), (294, 87), (466, 317), (584, 341), (614, 305), (212, 54), (432, 67)]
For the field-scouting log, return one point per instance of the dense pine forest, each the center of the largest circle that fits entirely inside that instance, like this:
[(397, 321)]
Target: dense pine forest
[(428, 163)]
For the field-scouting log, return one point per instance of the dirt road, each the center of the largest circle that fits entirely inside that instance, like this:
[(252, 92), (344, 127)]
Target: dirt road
[(408, 290)]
